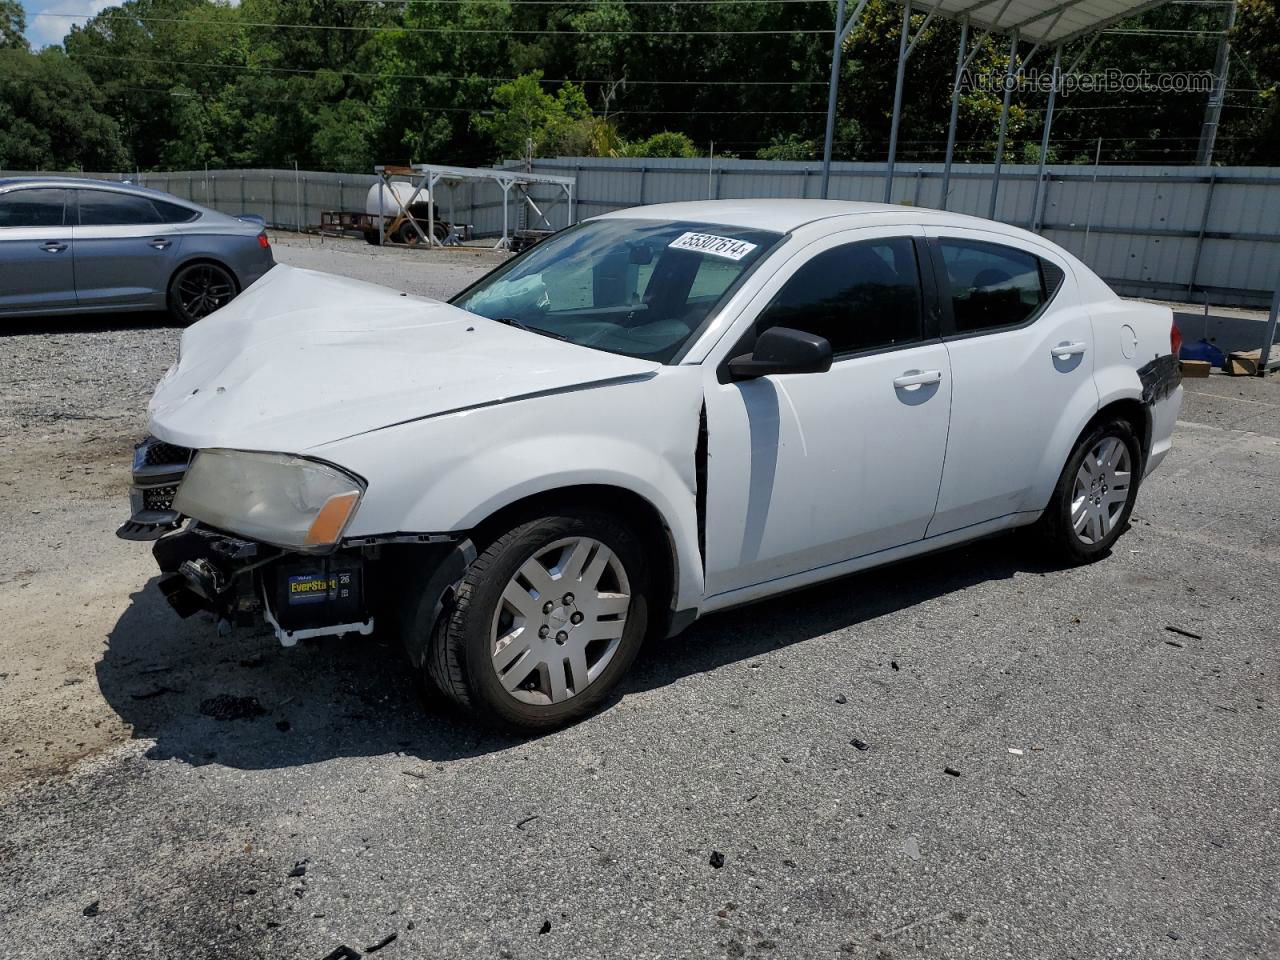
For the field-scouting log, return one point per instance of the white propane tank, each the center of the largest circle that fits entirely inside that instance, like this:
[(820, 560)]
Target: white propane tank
[(394, 197)]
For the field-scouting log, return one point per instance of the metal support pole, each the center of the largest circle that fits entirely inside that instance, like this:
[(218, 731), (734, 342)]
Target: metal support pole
[(1270, 336), (1004, 125), (1204, 225), (955, 114), (831, 98), (1213, 110), (1044, 139), (897, 101), (382, 217)]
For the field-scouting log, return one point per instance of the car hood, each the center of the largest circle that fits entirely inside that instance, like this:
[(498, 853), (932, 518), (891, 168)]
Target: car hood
[(304, 358)]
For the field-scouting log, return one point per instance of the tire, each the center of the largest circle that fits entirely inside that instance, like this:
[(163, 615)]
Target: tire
[(198, 289), (371, 237), (506, 653), (1085, 517)]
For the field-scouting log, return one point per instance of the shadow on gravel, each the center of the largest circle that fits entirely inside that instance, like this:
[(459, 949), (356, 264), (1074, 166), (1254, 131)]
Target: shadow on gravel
[(244, 701), (87, 323)]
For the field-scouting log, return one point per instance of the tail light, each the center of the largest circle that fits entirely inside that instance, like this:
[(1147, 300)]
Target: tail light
[(265, 244), (1175, 339)]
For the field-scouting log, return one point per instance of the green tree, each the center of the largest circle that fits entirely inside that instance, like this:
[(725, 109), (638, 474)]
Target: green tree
[(13, 25), (665, 144)]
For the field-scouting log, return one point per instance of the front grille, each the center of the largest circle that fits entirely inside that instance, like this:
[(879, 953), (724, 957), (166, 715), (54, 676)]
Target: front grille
[(156, 453)]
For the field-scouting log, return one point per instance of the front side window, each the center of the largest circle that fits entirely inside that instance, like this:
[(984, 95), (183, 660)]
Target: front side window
[(42, 207), (859, 296), (642, 288), (994, 286), (105, 208)]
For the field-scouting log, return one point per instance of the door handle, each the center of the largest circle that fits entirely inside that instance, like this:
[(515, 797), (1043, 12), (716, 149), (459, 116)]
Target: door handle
[(160, 243), (53, 246), (916, 378), (1068, 349)]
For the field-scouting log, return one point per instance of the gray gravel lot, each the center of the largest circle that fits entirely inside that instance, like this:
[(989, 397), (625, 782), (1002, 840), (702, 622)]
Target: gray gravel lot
[(1139, 820)]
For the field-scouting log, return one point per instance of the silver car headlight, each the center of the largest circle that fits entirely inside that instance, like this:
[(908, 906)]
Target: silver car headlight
[(283, 500)]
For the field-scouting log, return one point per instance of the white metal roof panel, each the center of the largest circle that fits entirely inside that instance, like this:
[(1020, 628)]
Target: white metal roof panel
[(1039, 21)]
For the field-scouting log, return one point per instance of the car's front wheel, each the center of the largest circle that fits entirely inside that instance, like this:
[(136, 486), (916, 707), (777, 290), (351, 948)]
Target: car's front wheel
[(545, 621), (198, 289), (1096, 492)]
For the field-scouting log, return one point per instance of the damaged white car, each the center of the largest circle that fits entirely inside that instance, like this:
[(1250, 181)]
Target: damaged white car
[(655, 414)]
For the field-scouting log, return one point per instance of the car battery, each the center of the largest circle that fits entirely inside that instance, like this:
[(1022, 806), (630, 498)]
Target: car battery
[(311, 594)]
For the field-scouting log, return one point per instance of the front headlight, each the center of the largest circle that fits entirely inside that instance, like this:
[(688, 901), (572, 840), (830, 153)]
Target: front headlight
[(276, 498)]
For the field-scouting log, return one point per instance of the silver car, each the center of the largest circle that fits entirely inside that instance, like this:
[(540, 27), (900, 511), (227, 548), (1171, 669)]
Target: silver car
[(87, 246)]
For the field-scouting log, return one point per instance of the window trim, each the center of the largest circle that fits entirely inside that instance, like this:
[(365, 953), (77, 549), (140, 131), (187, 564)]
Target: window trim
[(929, 329), (947, 328)]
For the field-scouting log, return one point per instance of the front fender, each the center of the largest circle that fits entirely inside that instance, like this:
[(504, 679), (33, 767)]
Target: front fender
[(450, 473)]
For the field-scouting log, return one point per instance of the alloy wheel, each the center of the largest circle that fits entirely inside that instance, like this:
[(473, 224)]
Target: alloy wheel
[(560, 621), (1101, 489), (204, 288)]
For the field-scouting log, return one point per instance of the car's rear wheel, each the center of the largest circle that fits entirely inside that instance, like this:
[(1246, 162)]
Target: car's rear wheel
[(198, 289), (1095, 494), (544, 622)]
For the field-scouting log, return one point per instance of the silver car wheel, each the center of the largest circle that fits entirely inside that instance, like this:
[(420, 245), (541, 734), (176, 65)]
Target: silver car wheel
[(560, 621), (1101, 490)]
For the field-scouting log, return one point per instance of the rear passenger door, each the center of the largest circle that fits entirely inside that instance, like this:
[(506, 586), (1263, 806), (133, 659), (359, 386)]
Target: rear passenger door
[(124, 249), (1021, 357)]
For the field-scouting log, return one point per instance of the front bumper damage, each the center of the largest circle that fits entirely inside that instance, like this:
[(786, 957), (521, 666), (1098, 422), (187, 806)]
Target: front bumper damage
[(239, 581)]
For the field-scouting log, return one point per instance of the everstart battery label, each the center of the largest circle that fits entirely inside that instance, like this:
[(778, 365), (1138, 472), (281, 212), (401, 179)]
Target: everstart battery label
[(317, 588)]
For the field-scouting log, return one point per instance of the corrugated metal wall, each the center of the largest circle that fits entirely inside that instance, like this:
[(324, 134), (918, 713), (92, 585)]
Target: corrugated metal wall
[(1169, 232)]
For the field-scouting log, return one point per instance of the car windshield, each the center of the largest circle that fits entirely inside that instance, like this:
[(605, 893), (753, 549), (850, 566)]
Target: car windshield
[(642, 288)]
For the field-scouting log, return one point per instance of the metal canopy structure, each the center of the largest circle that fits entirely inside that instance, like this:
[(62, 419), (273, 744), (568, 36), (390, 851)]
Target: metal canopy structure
[(426, 177), (1042, 24)]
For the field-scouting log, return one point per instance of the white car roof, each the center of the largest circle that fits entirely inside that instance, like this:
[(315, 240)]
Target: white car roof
[(783, 215)]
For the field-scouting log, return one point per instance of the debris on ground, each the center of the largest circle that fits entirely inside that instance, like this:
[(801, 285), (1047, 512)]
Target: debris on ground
[(717, 859), (860, 744), (527, 820), (91, 910), (1184, 633), (840, 698), (1015, 751), (545, 928), (911, 847), (299, 869), (226, 707), (416, 774), (374, 948), (342, 953), (951, 772), (894, 664)]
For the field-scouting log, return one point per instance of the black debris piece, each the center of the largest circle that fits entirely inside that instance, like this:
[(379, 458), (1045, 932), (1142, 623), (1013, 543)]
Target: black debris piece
[(91, 910), (389, 938), (1184, 633), (226, 707), (342, 953), (1174, 643), (951, 772), (717, 859), (545, 928), (894, 664), (860, 744), (526, 820), (1174, 936), (840, 698), (299, 869)]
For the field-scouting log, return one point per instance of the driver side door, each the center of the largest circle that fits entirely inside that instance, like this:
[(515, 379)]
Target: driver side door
[(809, 470)]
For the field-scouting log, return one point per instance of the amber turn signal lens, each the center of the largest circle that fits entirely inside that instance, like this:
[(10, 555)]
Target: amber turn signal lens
[(328, 525)]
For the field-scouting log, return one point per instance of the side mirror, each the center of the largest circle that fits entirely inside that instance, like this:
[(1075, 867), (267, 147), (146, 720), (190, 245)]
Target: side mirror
[(783, 350)]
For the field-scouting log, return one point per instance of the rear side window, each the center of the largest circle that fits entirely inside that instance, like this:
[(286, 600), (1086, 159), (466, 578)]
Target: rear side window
[(42, 207), (103, 208), (859, 296), (994, 286), (174, 212)]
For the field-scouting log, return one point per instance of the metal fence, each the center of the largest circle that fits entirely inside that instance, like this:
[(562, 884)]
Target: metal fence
[(1171, 232)]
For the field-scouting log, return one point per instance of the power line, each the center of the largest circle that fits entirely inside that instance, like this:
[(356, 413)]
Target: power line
[(362, 28), (250, 68)]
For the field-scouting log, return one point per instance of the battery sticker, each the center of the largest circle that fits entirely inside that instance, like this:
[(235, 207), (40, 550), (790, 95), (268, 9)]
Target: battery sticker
[(311, 588), (726, 247)]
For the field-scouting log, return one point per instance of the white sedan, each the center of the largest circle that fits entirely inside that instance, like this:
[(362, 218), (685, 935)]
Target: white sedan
[(653, 415)]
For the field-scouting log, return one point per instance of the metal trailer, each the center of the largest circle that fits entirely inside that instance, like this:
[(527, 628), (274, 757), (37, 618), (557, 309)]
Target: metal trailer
[(514, 184)]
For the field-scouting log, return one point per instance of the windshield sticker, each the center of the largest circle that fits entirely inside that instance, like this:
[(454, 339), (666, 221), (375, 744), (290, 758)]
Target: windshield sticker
[(726, 247)]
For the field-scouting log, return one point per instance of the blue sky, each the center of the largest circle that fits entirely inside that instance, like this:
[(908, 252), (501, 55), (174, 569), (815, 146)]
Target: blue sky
[(44, 30)]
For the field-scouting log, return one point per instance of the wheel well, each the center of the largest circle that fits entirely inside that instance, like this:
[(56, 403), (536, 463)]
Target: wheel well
[(196, 261), (626, 505), (1136, 413)]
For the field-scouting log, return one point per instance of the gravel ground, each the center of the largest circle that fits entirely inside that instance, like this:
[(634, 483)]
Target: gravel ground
[(168, 793)]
